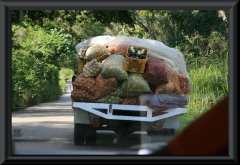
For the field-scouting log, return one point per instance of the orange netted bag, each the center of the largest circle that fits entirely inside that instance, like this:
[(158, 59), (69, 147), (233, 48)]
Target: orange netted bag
[(184, 83), (113, 98), (87, 84), (80, 95), (167, 88), (173, 77), (105, 86), (173, 85)]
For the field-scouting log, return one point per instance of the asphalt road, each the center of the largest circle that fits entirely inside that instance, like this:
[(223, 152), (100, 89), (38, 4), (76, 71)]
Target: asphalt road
[(47, 129)]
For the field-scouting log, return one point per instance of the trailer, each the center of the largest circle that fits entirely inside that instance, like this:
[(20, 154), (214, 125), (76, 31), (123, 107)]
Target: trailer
[(122, 119)]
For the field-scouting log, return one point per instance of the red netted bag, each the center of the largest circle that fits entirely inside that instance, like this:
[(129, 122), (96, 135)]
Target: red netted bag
[(155, 71)]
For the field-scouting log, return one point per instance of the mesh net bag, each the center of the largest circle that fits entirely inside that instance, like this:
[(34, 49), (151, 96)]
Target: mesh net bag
[(92, 68), (87, 84), (167, 88), (131, 101), (184, 83), (118, 92), (135, 85), (96, 51), (116, 97), (173, 85), (110, 99), (113, 68), (80, 95), (100, 40), (155, 71), (105, 86), (173, 77)]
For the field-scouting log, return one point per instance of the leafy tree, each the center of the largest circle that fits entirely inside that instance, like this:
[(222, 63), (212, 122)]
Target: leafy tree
[(105, 17), (194, 32), (37, 56)]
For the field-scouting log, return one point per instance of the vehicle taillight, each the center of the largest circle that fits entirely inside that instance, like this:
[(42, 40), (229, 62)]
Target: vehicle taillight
[(95, 122), (158, 125)]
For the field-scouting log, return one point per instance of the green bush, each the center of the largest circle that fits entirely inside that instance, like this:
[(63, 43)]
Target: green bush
[(33, 81), (37, 58)]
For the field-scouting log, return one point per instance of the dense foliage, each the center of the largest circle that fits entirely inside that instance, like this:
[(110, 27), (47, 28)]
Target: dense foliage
[(193, 32), (37, 57)]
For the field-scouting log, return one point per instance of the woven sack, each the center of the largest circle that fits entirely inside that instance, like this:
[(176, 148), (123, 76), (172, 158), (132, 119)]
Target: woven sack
[(113, 68), (96, 51), (135, 85)]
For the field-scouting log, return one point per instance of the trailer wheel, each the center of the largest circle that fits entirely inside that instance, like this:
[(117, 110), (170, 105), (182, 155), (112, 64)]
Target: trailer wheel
[(79, 133), (91, 135)]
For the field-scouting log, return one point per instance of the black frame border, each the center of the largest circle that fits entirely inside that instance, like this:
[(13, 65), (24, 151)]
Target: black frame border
[(6, 6)]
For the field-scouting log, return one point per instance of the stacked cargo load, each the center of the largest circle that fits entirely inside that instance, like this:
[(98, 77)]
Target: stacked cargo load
[(125, 70)]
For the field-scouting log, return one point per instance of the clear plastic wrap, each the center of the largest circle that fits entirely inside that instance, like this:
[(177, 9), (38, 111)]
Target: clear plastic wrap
[(163, 101)]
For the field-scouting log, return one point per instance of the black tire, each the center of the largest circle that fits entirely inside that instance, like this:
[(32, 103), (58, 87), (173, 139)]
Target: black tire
[(79, 133), (91, 135)]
